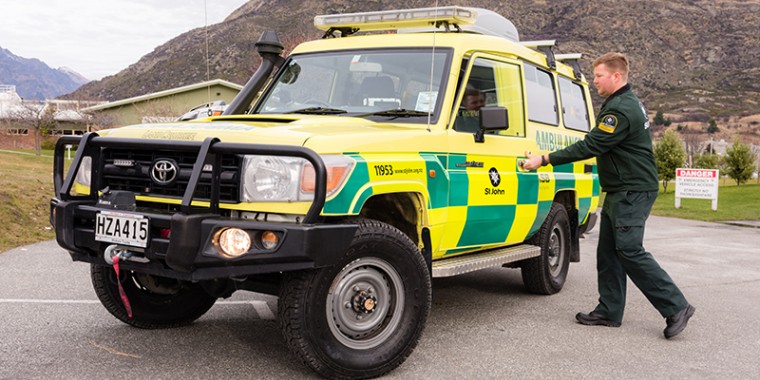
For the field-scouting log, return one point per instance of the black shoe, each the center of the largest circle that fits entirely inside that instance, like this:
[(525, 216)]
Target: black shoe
[(677, 322), (595, 319)]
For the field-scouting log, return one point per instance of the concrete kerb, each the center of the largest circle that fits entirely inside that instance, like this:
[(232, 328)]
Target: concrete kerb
[(743, 223)]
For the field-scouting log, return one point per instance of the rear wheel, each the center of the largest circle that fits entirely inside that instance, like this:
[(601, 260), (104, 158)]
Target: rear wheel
[(546, 274), (363, 316), (157, 302)]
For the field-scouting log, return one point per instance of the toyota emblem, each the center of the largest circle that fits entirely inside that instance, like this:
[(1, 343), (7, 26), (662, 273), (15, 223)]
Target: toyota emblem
[(164, 172)]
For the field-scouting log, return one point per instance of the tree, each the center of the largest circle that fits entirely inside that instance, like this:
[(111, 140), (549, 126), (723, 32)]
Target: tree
[(37, 117), (707, 161), (658, 118), (99, 120), (739, 162), (712, 127), (691, 142), (669, 155)]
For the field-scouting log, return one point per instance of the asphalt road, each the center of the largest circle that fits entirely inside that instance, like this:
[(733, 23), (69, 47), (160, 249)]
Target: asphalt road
[(482, 325)]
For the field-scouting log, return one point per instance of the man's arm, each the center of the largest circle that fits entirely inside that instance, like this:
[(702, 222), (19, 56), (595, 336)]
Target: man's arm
[(608, 134)]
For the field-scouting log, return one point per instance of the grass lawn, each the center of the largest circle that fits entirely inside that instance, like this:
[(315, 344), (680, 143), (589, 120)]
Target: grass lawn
[(26, 185), (734, 203)]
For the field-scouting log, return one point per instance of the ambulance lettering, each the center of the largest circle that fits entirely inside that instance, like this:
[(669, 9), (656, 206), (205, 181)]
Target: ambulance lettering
[(554, 141)]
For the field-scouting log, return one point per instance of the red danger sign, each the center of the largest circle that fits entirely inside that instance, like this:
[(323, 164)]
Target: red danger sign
[(697, 183), (697, 173)]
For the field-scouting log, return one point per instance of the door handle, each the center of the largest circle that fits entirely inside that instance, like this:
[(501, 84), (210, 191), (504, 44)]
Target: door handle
[(520, 163)]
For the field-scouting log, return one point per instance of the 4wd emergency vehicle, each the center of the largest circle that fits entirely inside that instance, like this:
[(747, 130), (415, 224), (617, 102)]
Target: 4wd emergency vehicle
[(342, 178)]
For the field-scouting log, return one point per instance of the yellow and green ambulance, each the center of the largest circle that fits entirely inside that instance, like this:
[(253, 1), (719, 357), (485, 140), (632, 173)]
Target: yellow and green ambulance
[(342, 178)]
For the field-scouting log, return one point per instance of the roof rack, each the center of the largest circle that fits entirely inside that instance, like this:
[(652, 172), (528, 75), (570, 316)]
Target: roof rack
[(544, 46), (572, 61)]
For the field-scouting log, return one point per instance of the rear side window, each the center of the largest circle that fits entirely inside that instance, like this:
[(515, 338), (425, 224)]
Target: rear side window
[(574, 107), (542, 103)]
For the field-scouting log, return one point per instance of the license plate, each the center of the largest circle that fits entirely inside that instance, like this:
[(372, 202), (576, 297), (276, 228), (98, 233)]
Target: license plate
[(121, 228)]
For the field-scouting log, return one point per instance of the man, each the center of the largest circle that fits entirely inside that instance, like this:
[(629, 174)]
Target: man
[(473, 99), (622, 144), (468, 117)]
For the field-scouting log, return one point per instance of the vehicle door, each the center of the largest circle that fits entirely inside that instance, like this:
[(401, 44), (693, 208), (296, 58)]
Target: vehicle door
[(491, 202)]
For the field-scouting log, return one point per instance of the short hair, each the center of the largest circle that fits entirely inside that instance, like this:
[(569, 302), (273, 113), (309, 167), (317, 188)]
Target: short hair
[(617, 62), (472, 91)]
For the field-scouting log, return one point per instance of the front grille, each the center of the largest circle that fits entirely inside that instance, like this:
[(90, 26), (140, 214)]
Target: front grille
[(129, 170)]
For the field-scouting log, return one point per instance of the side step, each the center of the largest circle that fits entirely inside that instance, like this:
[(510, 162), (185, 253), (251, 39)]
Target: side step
[(476, 261)]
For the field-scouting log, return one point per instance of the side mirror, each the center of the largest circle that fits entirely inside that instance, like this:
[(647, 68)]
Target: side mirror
[(492, 119)]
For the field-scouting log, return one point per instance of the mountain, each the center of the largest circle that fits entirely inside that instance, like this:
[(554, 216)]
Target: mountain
[(686, 55), (75, 76), (36, 80)]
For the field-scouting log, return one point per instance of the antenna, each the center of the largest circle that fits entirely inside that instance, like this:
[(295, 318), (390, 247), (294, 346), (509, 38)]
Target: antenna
[(432, 69), (208, 70)]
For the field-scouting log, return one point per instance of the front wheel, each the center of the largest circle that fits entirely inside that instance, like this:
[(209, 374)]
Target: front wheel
[(157, 302), (363, 316), (546, 274)]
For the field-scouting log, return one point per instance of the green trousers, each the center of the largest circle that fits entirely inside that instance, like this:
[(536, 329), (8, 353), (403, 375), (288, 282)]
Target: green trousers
[(621, 252)]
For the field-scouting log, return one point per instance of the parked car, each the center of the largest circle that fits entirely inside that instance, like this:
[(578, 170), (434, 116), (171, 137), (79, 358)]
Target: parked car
[(204, 110)]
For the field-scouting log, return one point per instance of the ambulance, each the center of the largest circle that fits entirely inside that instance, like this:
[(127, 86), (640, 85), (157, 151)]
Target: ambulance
[(342, 178)]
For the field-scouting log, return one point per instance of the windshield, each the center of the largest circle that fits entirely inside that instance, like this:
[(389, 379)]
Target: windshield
[(375, 84)]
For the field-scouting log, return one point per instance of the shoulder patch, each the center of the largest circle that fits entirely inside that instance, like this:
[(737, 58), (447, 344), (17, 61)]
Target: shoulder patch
[(608, 123)]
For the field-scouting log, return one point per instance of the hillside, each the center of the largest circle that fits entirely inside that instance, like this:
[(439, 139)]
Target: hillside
[(688, 56), (36, 80)]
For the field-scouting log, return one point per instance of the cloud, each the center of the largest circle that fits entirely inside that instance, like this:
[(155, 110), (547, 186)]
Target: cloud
[(98, 38)]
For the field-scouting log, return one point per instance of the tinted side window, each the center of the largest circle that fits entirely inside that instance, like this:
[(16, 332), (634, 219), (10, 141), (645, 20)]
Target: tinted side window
[(574, 108), (492, 83), (480, 90), (542, 103)]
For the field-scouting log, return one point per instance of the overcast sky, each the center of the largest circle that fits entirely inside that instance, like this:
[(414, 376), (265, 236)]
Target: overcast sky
[(97, 38)]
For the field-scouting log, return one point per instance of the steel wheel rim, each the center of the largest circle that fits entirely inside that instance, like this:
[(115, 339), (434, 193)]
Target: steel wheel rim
[(556, 252), (365, 278)]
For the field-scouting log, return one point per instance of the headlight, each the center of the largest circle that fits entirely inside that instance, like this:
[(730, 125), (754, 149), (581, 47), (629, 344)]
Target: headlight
[(289, 179), (84, 174), (270, 178)]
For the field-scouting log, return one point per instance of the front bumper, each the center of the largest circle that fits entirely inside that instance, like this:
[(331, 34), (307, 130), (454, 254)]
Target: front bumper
[(180, 242), (189, 254)]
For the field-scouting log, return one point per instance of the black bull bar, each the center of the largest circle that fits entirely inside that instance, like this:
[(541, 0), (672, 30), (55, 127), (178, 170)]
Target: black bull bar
[(186, 253)]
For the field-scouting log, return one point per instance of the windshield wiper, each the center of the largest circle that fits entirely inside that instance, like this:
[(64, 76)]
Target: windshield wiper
[(319, 111), (401, 112)]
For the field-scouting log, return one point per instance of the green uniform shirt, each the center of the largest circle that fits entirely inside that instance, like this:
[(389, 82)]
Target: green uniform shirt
[(622, 144)]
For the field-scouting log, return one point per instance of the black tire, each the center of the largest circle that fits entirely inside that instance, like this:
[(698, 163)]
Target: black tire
[(157, 302), (546, 274), (363, 316)]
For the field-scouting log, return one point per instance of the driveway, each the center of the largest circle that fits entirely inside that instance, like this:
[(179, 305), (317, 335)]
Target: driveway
[(482, 325)]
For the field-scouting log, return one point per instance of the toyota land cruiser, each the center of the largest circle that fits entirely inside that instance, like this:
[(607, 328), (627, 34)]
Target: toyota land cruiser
[(342, 178)]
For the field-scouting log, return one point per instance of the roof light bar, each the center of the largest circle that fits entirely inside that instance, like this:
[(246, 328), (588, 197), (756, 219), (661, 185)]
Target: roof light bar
[(397, 19)]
